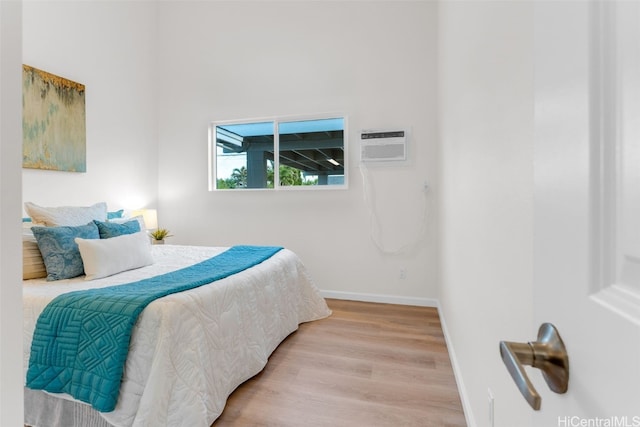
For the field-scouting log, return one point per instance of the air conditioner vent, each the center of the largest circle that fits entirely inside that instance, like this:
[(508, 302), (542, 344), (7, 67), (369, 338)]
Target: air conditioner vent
[(383, 146)]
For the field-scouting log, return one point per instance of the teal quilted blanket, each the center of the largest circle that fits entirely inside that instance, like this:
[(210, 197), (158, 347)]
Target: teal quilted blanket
[(81, 339)]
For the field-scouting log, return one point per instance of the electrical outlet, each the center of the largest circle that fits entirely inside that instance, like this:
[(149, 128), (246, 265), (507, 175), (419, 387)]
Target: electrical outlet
[(491, 406), (403, 274)]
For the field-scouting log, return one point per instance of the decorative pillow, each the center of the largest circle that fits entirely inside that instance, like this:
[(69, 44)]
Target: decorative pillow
[(59, 250), (138, 218), (66, 215), (106, 257), (115, 214), (114, 229), (32, 262)]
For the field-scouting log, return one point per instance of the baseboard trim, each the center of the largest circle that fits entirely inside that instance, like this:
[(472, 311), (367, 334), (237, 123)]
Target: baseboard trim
[(422, 302), (462, 390), (387, 299)]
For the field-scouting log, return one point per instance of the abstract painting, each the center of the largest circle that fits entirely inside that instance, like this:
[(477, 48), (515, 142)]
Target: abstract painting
[(53, 122)]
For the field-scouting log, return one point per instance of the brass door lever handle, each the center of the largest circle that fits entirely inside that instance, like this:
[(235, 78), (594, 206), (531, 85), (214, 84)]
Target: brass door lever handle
[(548, 354)]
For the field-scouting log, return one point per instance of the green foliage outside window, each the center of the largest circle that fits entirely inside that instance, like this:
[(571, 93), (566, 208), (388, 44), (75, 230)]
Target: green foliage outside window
[(288, 177)]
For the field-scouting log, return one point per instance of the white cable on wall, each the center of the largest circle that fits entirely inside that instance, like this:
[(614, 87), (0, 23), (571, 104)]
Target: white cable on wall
[(376, 227)]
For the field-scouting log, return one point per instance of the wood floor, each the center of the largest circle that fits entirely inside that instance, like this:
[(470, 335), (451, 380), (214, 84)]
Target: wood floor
[(366, 365)]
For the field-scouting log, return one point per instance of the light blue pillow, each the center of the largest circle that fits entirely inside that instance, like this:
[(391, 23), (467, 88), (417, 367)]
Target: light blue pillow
[(60, 251), (115, 214), (113, 229)]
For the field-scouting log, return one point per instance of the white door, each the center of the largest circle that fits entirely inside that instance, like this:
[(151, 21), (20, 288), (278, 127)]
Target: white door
[(587, 207)]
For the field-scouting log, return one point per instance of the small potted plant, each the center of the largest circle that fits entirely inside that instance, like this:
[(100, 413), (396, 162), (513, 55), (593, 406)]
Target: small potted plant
[(158, 236)]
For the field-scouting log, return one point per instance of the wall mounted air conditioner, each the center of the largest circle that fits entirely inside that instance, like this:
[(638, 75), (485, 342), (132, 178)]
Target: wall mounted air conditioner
[(383, 146)]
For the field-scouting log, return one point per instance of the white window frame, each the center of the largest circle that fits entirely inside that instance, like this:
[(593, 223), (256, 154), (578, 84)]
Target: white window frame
[(276, 120)]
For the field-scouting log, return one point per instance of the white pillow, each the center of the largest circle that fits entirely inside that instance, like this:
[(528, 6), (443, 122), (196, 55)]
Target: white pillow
[(65, 215), (105, 257)]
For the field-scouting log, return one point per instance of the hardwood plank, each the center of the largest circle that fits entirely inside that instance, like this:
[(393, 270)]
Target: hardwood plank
[(367, 364)]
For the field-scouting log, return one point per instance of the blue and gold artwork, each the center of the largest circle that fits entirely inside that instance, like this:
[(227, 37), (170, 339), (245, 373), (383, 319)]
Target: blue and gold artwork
[(53, 122)]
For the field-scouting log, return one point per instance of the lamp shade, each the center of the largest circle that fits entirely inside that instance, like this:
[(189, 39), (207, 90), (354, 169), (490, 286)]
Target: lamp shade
[(150, 217)]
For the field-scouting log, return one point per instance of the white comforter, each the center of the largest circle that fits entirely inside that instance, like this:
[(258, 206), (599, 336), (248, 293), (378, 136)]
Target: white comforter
[(190, 350)]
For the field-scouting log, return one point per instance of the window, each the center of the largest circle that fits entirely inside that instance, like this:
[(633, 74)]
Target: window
[(278, 153)]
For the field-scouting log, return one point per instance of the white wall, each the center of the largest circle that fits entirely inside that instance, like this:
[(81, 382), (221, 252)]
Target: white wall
[(486, 135), (110, 47), (373, 61), (11, 379)]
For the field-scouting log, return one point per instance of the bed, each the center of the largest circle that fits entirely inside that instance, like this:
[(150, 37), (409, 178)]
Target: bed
[(189, 350)]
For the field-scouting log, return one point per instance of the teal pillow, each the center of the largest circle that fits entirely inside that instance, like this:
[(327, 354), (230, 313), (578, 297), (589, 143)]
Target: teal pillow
[(115, 214), (60, 252), (113, 229)]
